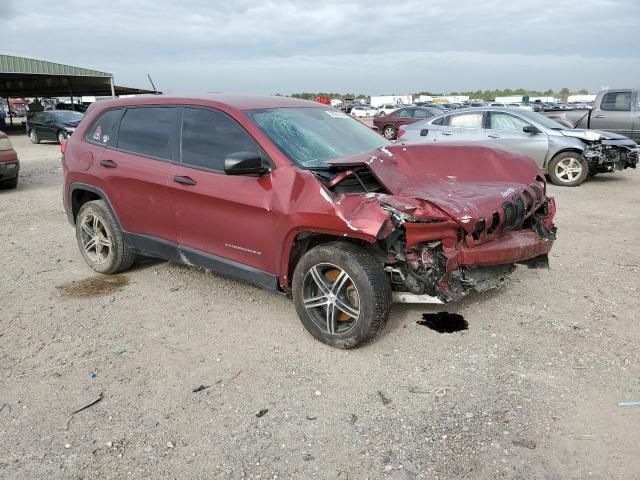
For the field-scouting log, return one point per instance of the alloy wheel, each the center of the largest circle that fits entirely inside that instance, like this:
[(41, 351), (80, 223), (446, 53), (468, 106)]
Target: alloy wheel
[(331, 298), (389, 133), (96, 240), (568, 169)]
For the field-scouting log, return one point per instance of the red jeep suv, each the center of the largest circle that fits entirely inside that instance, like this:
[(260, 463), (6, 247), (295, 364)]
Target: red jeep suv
[(293, 196)]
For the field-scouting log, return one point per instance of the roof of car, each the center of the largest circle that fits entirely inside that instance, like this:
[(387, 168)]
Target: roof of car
[(240, 102)]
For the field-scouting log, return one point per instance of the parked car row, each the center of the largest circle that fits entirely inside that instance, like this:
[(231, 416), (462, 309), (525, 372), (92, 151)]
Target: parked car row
[(299, 197)]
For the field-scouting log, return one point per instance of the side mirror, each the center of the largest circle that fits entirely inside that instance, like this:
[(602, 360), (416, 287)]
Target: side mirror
[(424, 132), (530, 129), (244, 163)]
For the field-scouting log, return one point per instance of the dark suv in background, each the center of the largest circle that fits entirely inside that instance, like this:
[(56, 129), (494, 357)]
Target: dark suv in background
[(297, 197)]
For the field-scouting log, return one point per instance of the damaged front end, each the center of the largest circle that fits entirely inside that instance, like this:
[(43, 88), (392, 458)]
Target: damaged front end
[(425, 269), (436, 250), (606, 152)]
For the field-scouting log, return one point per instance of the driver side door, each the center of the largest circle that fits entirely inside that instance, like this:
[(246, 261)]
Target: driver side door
[(506, 130), (223, 222)]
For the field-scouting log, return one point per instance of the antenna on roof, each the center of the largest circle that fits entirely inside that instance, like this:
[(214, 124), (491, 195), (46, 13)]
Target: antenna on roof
[(152, 85)]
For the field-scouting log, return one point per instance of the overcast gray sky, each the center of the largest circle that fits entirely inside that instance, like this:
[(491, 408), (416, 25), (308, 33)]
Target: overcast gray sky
[(367, 46)]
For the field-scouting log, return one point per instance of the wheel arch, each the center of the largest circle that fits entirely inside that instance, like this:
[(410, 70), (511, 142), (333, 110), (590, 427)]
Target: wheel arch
[(81, 193), (575, 149), (301, 240)]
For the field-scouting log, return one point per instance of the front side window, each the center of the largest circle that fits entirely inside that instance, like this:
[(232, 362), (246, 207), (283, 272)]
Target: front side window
[(209, 136), (421, 114), (147, 131), (311, 137), (103, 130), (617, 102), (504, 121), (466, 120)]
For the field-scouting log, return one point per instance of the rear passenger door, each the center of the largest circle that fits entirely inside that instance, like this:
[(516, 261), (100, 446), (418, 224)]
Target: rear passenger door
[(463, 127), (224, 222), (403, 116), (134, 170), (45, 127)]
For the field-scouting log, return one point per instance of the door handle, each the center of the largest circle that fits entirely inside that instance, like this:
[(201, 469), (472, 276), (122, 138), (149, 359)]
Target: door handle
[(600, 116), (493, 135), (184, 180), (108, 163), (447, 133)]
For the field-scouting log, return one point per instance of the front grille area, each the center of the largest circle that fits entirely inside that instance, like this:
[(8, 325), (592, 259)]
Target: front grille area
[(516, 213), (520, 206)]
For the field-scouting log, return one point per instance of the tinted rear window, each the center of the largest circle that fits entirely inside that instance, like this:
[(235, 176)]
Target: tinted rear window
[(103, 130), (148, 131)]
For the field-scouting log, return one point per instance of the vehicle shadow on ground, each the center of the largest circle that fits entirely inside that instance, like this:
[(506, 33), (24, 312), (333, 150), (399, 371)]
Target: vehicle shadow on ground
[(144, 263), (608, 178)]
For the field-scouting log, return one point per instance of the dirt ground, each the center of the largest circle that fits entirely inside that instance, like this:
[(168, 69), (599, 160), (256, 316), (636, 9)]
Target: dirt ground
[(529, 391)]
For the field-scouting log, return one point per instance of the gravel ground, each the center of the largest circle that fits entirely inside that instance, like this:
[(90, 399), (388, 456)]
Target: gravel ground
[(530, 390)]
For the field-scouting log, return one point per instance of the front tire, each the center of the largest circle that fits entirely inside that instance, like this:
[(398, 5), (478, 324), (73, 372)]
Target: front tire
[(568, 169), (341, 294), (100, 239), (33, 136), (61, 137)]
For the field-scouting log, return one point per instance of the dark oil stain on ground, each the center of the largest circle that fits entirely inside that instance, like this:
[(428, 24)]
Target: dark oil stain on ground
[(94, 286), (444, 322)]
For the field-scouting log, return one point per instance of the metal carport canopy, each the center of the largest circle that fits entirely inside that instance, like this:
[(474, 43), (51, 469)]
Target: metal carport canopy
[(26, 77)]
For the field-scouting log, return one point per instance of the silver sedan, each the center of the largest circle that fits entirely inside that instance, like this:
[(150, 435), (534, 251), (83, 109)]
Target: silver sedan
[(568, 156)]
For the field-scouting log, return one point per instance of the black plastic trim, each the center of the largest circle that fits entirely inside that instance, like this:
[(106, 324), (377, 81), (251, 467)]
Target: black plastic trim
[(147, 245)]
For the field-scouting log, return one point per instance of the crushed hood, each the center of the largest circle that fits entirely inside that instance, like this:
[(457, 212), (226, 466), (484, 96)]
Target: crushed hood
[(592, 135), (468, 182)]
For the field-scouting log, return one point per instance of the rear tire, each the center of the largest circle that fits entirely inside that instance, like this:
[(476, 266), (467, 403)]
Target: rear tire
[(100, 239), (341, 294), (389, 132), (568, 169)]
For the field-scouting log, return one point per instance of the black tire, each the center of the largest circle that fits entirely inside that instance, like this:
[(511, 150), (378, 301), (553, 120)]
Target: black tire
[(33, 136), (389, 132), (119, 257), (9, 184), (563, 158), (365, 276)]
